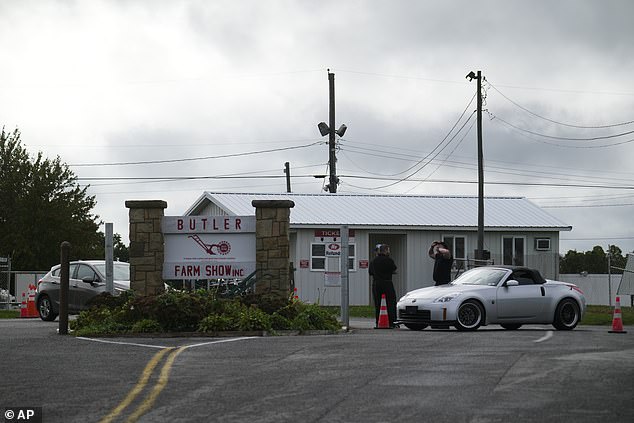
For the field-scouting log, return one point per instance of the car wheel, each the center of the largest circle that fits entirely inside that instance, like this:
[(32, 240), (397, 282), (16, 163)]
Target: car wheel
[(470, 316), (45, 308), (567, 315), (413, 326), (511, 326)]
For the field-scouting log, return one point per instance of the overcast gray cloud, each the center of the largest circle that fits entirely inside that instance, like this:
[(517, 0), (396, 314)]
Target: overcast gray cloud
[(128, 81)]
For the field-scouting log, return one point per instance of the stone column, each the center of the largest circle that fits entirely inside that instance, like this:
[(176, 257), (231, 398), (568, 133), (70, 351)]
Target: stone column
[(146, 246), (272, 245)]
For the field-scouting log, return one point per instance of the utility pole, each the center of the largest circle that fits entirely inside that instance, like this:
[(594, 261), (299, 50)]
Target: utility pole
[(480, 172), (325, 129), (332, 158), (479, 253), (610, 275), (287, 170)]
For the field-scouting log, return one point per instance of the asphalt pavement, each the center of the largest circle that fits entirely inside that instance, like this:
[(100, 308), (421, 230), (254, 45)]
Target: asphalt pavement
[(534, 374)]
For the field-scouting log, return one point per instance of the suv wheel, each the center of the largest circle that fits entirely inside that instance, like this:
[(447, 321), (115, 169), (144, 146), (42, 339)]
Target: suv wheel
[(45, 308)]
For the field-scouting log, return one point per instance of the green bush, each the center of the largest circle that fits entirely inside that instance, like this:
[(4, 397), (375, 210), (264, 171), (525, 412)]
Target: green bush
[(279, 322), (204, 311), (313, 317), (100, 320), (146, 326)]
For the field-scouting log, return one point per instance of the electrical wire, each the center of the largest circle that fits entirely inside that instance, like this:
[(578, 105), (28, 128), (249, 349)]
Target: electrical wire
[(195, 158), (442, 141), (426, 157), (542, 184), (554, 121), (494, 119), (499, 169), (560, 138), (443, 161)]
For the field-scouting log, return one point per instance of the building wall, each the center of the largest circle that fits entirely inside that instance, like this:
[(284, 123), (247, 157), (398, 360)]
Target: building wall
[(597, 290), (409, 250)]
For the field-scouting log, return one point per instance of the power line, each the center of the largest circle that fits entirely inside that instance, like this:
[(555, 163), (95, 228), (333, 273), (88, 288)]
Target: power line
[(443, 161), (442, 141), (586, 206), (408, 177), (417, 153), (195, 158), (561, 138), (557, 122), (461, 82), (455, 181), (496, 169)]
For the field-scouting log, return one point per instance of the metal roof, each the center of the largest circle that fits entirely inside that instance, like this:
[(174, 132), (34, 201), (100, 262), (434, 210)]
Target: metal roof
[(393, 210)]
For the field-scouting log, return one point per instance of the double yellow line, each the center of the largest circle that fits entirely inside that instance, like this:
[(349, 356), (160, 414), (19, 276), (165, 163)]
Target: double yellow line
[(151, 397), (149, 400)]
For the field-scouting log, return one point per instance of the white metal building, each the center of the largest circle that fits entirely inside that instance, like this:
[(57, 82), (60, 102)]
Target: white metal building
[(516, 232)]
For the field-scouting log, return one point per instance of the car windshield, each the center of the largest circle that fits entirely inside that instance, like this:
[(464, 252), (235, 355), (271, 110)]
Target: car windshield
[(481, 276), (121, 271)]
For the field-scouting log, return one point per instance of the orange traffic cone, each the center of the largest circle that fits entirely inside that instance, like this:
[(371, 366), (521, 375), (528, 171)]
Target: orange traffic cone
[(384, 321), (617, 321), (31, 310), (23, 310)]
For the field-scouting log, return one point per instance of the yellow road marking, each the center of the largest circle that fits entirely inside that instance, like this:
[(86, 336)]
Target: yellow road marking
[(148, 402), (138, 388), (162, 382)]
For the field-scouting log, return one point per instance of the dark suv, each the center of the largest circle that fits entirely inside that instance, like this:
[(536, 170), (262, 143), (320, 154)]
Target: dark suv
[(87, 279)]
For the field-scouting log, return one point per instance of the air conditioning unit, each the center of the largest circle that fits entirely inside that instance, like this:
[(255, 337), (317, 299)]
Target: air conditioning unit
[(542, 244)]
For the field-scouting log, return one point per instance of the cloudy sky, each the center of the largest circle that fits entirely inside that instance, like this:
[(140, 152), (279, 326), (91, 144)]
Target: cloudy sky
[(218, 95)]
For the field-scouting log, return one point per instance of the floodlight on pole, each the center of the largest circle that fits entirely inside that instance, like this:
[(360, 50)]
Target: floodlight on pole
[(323, 129)]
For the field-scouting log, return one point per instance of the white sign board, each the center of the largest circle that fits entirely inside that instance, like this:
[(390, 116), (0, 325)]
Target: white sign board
[(208, 247)]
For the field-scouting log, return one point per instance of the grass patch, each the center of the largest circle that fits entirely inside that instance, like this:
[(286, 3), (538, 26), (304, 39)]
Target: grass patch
[(595, 315), (603, 315), (353, 311), (9, 314)]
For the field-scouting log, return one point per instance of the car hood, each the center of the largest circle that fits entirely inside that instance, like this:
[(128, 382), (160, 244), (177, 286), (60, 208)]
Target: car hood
[(433, 292)]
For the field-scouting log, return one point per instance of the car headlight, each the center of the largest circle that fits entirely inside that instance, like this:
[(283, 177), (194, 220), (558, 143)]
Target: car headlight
[(404, 297), (447, 298)]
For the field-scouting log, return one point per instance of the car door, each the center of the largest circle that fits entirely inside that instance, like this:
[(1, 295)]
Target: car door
[(523, 302), (85, 285), (72, 270)]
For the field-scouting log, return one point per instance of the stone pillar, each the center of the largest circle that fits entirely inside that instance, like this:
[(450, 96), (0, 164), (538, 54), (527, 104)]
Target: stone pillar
[(272, 245), (146, 246)]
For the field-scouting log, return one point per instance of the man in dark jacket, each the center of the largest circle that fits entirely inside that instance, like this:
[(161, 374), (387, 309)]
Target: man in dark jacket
[(382, 268), (443, 261)]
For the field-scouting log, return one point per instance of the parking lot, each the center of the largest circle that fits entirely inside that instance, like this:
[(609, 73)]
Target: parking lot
[(529, 375)]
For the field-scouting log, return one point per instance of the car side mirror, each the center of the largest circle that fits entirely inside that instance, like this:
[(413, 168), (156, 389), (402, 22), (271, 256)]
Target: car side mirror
[(511, 282), (89, 279)]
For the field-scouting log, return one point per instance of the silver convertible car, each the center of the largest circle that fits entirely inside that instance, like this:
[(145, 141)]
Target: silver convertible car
[(503, 295)]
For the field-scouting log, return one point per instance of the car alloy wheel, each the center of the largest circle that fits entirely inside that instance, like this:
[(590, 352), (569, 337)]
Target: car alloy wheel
[(45, 308), (470, 316), (566, 315)]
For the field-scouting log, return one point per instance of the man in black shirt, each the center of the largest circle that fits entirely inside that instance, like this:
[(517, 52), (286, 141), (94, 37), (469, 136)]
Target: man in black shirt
[(443, 261), (381, 269)]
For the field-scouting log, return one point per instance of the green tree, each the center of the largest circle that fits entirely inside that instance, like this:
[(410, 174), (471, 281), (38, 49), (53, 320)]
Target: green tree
[(41, 205), (120, 250), (594, 261)]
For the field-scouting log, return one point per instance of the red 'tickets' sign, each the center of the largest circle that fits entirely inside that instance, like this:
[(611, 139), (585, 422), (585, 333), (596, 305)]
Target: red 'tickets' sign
[(332, 233), (364, 264)]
